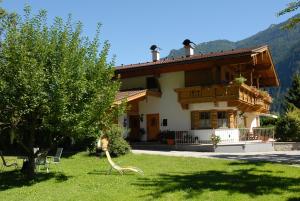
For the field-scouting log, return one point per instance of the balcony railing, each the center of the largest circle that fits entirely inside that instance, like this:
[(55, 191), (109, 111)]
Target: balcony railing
[(236, 95)]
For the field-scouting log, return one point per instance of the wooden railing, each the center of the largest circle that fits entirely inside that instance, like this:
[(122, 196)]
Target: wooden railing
[(258, 133), (235, 94)]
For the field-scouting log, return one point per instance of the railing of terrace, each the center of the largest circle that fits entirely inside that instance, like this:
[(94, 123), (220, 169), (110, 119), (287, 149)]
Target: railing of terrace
[(258, 133), (227, 136), (204, 136), (186, 137), (264, 134)]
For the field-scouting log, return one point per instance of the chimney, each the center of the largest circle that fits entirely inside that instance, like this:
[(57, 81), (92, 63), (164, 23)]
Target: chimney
[(189, 49), (155, 53)]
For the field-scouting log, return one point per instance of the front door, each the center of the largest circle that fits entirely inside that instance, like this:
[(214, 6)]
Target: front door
[(134, 125), (152, 127)]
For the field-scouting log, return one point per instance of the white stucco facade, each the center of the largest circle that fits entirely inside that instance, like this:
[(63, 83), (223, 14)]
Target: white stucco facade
[(168, 107)]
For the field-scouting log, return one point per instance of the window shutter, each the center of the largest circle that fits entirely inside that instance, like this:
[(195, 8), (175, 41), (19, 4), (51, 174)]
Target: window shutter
[(195, 120)]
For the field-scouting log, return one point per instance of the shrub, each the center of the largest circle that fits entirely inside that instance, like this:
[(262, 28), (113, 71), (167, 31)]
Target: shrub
[(288, 126), (215, 139), (117, 145), (268, 122)]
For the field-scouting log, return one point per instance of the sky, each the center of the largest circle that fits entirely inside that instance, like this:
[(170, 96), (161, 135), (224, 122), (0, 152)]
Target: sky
[(132, 26)]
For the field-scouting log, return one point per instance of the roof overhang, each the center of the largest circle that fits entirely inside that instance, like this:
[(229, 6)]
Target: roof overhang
[(134, 95), (264, 65)]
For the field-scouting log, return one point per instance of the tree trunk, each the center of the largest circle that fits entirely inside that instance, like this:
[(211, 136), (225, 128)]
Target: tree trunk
[(29, 165)]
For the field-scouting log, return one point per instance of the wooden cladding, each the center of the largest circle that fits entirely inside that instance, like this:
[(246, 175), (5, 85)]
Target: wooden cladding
[(244, 97), (195, 120), (209, 76), (202, 77), (215, 118), (133, 108)]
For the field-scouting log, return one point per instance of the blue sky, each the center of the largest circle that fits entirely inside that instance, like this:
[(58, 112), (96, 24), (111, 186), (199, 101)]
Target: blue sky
[(132, 26)]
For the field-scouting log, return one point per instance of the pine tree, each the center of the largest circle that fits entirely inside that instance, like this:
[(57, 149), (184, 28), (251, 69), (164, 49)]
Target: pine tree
[(293, 95)]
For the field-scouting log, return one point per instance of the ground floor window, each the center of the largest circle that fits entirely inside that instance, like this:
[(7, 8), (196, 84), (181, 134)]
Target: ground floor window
[(201, 120), (222, 119), (205, 120), (212, 119)]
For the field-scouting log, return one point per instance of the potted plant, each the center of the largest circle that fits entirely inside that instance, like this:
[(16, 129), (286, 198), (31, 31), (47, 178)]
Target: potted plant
[(163, 137), (240, 80), (170, 137), (215, 139)]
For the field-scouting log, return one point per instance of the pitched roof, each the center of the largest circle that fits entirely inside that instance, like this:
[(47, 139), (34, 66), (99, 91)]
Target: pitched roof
[(131, 95), (211, 55), (121, 95)]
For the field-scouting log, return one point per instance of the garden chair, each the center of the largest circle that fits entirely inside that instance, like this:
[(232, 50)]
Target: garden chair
[(55, 159), (5, 164), (121, 170), (41, 160)]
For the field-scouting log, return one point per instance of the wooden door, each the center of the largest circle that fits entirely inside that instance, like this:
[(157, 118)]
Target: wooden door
[(153, 127), (134, 125)]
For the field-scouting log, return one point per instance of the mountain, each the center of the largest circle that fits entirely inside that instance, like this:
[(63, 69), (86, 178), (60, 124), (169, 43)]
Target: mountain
[(284, 46)]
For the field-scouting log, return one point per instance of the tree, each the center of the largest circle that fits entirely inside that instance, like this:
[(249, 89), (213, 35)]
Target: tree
[(288, 126), (53, 83), (294, 5), (293, 94)]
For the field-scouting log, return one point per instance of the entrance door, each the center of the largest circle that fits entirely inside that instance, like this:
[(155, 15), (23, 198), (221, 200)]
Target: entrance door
[(153, 127), (134, 125)]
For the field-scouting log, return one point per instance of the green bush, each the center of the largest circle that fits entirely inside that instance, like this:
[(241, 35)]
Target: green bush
[(268, 121), (288, 126), (117, 145)]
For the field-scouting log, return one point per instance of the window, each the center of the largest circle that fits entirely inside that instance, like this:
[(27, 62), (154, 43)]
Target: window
[(222, 120), (204, 120), (200, 120), (152, 83)]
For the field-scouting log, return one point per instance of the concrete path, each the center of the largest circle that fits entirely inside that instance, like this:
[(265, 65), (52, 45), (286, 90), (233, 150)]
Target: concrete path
[(287, 157)]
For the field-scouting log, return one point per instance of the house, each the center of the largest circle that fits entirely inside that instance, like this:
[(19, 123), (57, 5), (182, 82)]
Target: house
[(197, 93)]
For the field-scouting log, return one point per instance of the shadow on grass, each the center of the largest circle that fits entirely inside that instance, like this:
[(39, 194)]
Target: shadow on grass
[(256, 164), (260, 158), (15, 179), (251, 182), (98, 172), (294, 199)]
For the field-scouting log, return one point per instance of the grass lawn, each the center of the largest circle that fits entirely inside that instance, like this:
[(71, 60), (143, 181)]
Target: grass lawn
[(82, 177)]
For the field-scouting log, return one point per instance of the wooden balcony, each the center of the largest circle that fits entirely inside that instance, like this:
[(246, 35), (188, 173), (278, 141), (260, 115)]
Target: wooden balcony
[(244, 97)]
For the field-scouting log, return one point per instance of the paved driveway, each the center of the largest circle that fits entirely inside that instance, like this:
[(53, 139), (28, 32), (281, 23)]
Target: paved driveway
[(287, 157)]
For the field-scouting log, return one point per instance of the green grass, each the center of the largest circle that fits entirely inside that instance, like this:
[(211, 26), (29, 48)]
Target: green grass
[(83, 177)]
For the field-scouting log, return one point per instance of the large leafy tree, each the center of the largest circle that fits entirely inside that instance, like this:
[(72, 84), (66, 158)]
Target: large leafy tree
[(291, 7), (53, 82)]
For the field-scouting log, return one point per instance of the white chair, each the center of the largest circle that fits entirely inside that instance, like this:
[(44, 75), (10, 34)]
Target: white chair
[(55, 159), (41, 160)]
